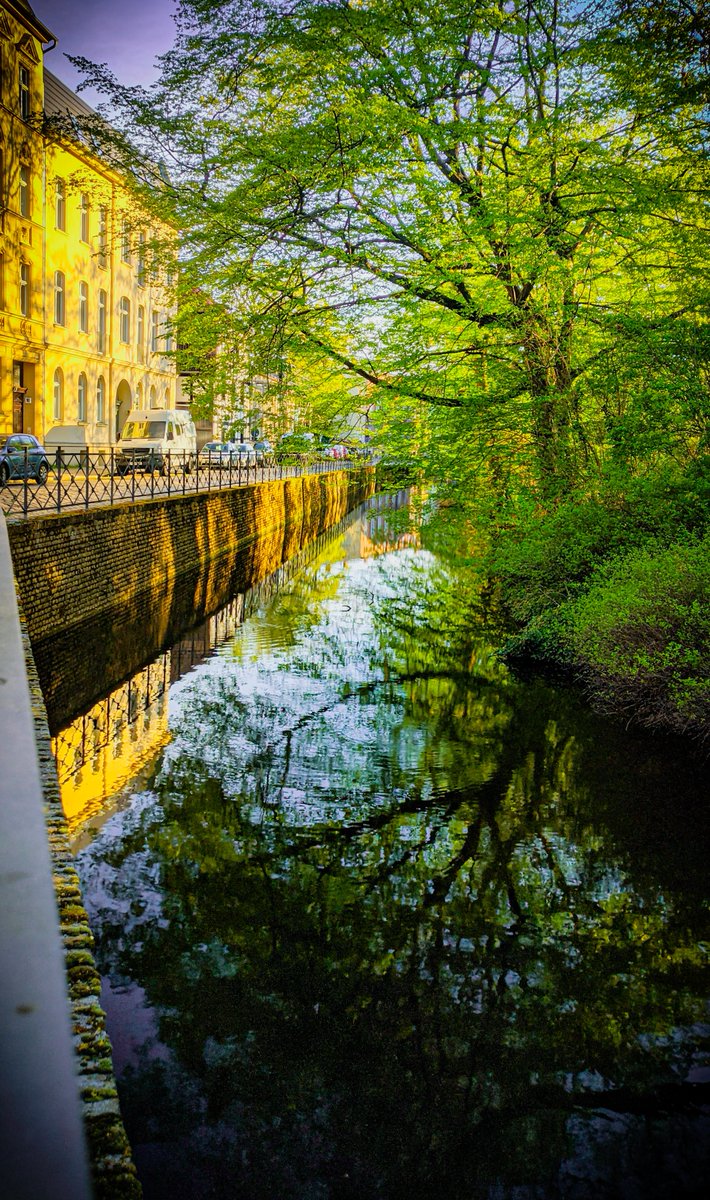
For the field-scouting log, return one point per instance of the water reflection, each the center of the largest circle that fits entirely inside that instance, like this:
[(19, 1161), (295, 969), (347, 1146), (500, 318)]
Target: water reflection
[(384, 920), (108, 744)]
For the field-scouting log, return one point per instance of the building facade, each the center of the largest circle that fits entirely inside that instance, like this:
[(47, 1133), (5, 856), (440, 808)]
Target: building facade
[(85, 307)]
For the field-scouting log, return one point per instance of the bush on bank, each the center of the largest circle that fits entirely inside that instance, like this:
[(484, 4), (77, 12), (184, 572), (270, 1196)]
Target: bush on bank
[(615, 587), (640, 637)]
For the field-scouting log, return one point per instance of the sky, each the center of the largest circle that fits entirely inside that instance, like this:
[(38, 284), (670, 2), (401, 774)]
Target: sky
[(125, 34)]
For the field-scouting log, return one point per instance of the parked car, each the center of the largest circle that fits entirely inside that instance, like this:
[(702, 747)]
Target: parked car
[(216, 455), (264, 453), (242, 453), (22, 456)]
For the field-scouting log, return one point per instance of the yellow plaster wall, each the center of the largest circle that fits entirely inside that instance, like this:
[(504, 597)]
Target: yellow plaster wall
[(129, 371)]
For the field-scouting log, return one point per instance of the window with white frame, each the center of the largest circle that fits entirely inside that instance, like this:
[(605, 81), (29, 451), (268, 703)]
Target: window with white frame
[(81, 398), (83, 307), (100, 400), (24, 92), (101, 322), (25, 296), (140, 266), (140, 333), (84, 216), (59, 298), (124, 319), (58, 395), (60, 204), (24, 190), (154, 329), (103, 235), (125, 241)]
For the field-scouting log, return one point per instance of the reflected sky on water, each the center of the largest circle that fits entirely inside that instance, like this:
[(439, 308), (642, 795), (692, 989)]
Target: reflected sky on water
[(380, 919)]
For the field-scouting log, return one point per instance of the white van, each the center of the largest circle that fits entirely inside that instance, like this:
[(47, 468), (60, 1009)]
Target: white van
[(150, 434)]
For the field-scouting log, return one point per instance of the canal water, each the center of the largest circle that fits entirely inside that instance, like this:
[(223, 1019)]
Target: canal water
[(378, 918)]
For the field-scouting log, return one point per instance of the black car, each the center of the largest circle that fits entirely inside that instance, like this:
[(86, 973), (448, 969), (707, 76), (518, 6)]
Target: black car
[(22, 456)]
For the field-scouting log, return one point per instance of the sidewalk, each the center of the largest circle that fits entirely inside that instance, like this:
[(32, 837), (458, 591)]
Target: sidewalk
[(42, 1149)]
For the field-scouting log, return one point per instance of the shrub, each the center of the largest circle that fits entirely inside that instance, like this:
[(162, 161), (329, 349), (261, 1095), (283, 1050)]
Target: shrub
[(640, 636)]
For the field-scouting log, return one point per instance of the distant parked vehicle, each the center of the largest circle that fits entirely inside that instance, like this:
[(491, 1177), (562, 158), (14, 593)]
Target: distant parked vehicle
[(22, 456), (264, 453), (217, 454), (243, 453), (66, 446)]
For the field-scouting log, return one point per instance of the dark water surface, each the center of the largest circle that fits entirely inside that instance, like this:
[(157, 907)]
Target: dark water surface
[(378, 919)]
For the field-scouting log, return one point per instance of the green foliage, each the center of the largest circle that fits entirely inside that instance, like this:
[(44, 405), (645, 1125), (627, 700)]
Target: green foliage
[(484, 211), (546, 559), (641, 636), (593, 586)]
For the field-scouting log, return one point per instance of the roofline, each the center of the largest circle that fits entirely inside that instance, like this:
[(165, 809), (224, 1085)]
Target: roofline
[(32, 23)]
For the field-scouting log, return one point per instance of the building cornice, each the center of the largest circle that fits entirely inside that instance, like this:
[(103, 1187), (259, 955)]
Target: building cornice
[(22, 12)]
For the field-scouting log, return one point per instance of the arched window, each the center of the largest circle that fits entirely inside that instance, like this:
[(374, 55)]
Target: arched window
[(100, 400), (153, 397), (58, 395), (124, 319), (84, 307), (81, 398), (59, 297)]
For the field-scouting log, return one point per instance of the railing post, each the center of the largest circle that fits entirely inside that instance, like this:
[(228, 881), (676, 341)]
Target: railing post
[(58, 469), (86, 478), (26, 488), (112, 465), (169, 470)]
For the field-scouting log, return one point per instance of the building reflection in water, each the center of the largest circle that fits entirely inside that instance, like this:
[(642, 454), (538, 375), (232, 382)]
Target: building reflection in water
[(113, 743)]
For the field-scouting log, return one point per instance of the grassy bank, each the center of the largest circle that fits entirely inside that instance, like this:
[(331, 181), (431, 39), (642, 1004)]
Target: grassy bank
[(615, 587)]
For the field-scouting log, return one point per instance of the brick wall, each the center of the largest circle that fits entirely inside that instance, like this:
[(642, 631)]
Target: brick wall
[(71, 568)]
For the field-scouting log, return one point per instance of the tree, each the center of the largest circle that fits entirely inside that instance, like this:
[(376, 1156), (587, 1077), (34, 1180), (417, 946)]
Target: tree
[(469, 206)]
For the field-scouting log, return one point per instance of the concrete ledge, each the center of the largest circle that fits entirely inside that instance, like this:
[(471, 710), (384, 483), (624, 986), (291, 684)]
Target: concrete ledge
[(42, 1147)]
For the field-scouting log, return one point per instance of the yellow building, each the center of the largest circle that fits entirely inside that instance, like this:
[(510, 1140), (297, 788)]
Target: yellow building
[(85, 309)]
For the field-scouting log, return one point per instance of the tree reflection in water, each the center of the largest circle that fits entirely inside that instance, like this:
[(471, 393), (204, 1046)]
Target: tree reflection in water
[(404, 925)]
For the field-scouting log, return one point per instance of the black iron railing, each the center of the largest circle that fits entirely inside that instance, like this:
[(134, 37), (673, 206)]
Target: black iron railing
[(68, 479)]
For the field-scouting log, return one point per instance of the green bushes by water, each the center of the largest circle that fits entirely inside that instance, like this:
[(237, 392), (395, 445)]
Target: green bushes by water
[(616, 588), (640, 636)]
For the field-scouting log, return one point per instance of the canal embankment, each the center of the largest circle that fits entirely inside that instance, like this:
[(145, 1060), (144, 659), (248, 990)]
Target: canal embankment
[(72, 569)]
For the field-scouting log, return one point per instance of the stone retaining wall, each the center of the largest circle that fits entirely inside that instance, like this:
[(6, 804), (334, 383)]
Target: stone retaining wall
[(71, 567)]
